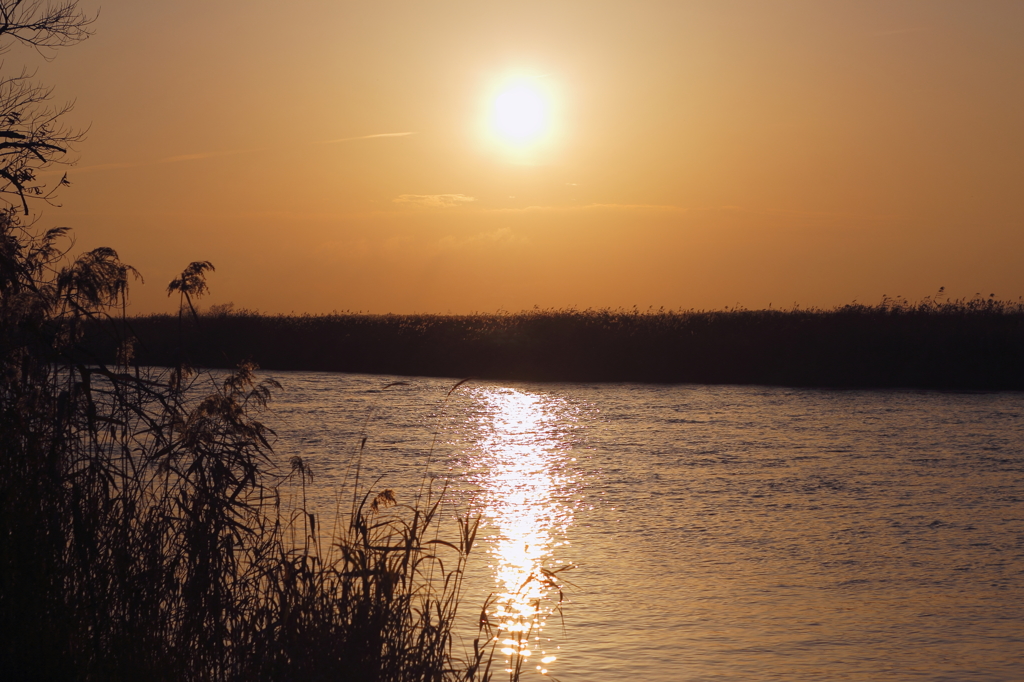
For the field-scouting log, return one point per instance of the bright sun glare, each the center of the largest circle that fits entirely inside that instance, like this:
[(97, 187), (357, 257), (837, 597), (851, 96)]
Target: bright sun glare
[(520, 114)]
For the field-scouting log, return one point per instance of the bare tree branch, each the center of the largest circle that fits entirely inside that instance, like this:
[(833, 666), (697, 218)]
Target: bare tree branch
[(42, 24), (32, 135)]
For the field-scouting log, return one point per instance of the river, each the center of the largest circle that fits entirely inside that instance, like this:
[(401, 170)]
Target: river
[(707, 532)]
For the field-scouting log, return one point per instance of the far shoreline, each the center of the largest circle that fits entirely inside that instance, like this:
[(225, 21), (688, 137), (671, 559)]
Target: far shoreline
[(961, 345)]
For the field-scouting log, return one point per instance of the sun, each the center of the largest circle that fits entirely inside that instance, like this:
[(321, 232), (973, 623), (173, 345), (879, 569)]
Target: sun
[(522, 118), (520, 115)]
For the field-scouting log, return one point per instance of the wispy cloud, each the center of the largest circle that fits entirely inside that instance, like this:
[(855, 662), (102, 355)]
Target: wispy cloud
[(208, 155), (572, 208), (434, 200), (679, 210), (90, 169), (170, 159), (900, 31), (501, 237), (367, 137)]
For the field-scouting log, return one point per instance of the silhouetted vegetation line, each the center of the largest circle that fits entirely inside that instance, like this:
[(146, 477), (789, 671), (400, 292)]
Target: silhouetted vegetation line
[(142, 535), (963, 344), (141, 531)]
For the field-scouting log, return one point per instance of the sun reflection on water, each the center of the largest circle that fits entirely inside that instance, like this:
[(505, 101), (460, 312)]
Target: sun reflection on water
[(528, 487)]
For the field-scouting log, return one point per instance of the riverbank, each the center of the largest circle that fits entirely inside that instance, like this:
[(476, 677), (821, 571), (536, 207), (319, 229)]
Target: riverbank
[(973, 344)]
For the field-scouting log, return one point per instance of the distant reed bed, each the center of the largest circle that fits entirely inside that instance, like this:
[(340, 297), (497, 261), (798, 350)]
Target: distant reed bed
[(142, 534), (956, 344)]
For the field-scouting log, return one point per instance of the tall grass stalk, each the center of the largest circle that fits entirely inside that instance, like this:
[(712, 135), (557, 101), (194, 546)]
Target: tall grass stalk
[(142, 534)]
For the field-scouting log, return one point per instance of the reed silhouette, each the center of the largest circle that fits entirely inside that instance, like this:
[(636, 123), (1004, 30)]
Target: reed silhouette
[(142, 532), (975, 343)]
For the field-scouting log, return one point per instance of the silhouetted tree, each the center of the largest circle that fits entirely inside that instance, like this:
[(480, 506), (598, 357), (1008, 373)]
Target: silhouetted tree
[(32, 134)]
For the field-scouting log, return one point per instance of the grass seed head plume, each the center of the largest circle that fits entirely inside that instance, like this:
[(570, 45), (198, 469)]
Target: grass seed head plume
[(143, 530)]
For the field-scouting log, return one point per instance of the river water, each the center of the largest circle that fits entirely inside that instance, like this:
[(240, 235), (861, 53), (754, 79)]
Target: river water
[(707, 532)]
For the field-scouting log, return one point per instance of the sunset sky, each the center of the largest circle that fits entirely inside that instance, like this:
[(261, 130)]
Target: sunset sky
[(482, 156)]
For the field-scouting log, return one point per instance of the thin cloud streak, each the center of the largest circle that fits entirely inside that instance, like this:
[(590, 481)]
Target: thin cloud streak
[(367, 137), (434, 200), (590, 207), (170, 159), (901, 31), (91, 169), (666, 208), (209, 155)]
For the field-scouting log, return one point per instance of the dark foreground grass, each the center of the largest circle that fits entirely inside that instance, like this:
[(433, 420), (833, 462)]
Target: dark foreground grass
[(142, 535), (961, 344)]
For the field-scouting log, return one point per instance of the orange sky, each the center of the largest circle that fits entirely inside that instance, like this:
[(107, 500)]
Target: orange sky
[(694, 154)]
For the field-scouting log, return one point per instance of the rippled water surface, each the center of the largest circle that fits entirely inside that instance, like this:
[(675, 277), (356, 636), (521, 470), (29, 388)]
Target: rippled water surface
[(707, 533)]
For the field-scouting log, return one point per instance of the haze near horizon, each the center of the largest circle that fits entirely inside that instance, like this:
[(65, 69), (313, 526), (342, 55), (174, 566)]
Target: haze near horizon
[(474, 157)]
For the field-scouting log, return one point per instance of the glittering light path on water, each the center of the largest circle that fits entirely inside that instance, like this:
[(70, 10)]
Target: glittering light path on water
[(522, 465)]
